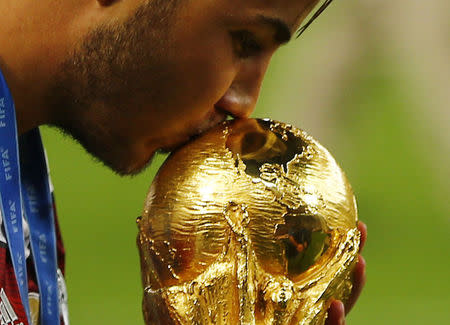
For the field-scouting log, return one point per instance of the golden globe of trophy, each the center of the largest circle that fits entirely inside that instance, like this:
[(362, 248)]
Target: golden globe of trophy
[(251, 223)]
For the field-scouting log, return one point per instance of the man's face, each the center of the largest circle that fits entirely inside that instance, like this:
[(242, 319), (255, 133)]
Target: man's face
[(171, 70)]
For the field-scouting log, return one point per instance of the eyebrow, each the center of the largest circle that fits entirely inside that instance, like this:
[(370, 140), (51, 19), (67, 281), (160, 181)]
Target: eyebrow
[(282, 31)]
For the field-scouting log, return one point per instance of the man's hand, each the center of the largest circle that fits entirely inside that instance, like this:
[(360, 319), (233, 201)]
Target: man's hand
[(337, 310)]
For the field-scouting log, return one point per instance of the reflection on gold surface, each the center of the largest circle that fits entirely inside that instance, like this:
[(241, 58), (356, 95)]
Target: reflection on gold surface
[(252, 223)]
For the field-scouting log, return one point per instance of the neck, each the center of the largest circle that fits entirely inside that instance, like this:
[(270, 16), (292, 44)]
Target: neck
[(27, 58), (38, 36), (30, 113)]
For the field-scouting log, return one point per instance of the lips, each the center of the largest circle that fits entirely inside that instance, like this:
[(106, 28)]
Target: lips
[(212, 119)]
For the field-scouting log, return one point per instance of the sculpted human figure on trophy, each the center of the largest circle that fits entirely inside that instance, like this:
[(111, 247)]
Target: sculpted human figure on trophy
[(251, 223)]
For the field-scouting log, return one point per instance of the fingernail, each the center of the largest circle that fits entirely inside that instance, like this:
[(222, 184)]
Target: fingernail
[(342, 318)]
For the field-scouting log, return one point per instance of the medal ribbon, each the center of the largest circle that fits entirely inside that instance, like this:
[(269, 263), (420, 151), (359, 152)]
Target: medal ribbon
[(31, 193), (38, 205)]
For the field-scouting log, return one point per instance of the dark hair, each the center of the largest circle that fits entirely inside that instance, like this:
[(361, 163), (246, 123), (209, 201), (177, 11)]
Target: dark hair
[(314, 16)]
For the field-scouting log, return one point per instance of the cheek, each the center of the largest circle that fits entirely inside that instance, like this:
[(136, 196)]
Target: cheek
[(203, 69), (207, 75)]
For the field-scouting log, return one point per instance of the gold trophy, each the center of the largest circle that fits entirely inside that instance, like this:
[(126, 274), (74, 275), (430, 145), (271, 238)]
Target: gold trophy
[(251, 223)]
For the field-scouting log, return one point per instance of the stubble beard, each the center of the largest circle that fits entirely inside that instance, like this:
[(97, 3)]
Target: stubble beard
[(94, 89)]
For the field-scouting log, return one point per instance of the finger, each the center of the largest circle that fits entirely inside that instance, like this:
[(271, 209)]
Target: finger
[(363, 230), (336, 313), (359, 279)]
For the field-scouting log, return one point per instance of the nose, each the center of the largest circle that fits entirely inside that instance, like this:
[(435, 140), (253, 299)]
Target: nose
[(241, 97)]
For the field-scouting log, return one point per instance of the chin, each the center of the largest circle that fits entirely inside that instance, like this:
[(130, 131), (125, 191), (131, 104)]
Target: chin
[(132, 164), (134, 168), (121, 155)]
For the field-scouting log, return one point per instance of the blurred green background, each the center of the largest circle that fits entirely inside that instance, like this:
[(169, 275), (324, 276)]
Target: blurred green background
[(370, 80)]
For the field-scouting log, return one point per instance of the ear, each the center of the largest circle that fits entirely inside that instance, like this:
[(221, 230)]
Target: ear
[(105, 3)]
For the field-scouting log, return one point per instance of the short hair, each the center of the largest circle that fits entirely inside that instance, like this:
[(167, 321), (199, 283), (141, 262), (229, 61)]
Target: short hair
[(302, 29)]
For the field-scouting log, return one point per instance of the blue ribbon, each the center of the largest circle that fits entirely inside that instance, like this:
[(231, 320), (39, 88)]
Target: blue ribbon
[(30, 193), (38, 205)]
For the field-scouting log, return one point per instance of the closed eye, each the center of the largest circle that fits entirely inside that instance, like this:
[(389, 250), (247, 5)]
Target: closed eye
[(245, 44)]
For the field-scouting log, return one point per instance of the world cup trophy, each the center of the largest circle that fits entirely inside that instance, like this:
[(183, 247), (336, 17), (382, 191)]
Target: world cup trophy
[(251, 223)]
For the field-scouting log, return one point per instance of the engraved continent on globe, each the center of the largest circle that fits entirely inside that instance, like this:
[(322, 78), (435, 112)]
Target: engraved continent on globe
[(251, 223)]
